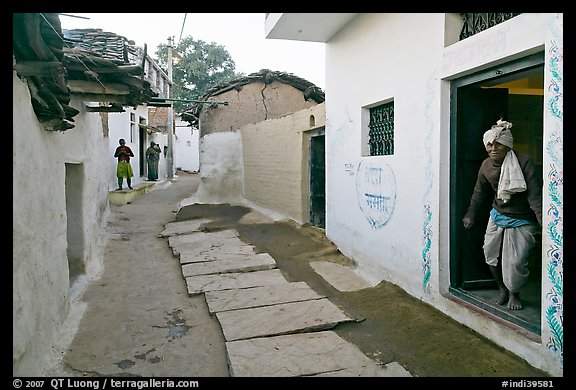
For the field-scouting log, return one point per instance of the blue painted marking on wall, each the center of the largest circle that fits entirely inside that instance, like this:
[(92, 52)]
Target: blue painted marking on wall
[(554, 310), (376, 192), (427, 225)]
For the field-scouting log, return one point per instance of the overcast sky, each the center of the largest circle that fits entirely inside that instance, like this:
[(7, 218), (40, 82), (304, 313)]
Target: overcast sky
[(242, 34)]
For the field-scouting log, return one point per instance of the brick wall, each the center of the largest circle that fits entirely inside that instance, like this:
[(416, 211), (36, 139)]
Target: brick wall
[(275, 154)]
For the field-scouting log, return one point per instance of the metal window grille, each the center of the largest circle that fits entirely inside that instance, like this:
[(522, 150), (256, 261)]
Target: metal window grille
[(473, 23), (381, 133)]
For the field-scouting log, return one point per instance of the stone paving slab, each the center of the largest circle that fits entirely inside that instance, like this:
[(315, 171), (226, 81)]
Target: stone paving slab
[(209, 244), (182, 227), (194, 238), (374, 370), (225, 300), (280, 319), (340, 277), (318, 353), (259, 262), (225, 252), (202, 283)]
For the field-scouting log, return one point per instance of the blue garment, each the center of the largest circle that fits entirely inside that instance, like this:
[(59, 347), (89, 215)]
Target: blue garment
[(505, 222)]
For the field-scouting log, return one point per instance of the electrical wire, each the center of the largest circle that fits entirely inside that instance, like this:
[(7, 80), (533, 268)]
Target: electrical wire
[(183, 23), (72, 52)]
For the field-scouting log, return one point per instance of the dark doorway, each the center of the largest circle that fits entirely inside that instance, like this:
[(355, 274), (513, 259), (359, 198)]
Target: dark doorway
[(317, 181), (513, 91), (74, 185)]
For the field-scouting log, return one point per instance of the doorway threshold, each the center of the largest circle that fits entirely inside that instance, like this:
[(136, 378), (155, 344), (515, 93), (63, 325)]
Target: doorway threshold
[(509, 317)]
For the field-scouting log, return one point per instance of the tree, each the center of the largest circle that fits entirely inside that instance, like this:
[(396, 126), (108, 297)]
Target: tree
[(199, 66)]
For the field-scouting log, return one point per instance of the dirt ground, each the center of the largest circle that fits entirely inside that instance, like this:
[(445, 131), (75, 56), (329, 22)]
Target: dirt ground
[(136, 318), (392, 326)]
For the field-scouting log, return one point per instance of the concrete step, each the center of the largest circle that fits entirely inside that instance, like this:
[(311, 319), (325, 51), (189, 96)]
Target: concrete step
[(126, 195)]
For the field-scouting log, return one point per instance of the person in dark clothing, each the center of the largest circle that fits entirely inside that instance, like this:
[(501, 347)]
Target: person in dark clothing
[(516, 216), (124, 169), (152, 157)]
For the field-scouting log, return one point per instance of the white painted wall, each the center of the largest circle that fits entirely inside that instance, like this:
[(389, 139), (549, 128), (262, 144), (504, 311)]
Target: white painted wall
[(221, 169), (391, 59), (396, 70), (40, 278), (186, 147)]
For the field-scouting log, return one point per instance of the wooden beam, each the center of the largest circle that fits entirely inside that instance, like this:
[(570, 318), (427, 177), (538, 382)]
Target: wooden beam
[(39, 68), (127, 69), (93, 97), (155, 104), (92, 87), (111, 108), (151, 128)]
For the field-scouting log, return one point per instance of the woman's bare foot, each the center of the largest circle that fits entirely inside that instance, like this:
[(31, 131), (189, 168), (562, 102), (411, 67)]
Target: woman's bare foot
[(502, 297), (514, 302)]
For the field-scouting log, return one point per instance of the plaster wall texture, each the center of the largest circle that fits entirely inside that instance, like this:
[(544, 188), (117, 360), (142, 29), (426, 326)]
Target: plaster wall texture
[(388, 241), (60, 207), (221, 168)]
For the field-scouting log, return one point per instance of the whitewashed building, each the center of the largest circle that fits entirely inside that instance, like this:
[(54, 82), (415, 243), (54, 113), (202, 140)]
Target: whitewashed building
[(186, 146), (408, 97), (66, 121)]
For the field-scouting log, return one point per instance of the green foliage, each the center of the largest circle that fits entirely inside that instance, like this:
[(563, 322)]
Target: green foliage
[(196, 67)]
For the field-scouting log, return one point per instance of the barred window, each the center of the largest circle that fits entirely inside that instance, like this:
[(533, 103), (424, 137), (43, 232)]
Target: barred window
[(473, 23), (381, 133)]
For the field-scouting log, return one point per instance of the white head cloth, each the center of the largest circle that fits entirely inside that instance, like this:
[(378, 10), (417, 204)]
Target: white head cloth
[(500, 133), (511, 176)]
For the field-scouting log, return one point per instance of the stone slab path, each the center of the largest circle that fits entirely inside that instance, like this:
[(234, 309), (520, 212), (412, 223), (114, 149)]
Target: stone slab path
[(240, 263), (225, 300), (202, 254), (203, 283), (307, 354), (272, 327), (183, 227), (282, 318)]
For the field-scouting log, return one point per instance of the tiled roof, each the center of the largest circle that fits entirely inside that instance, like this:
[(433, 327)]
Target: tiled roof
[(101, 44), (100, 62), (94, 65)]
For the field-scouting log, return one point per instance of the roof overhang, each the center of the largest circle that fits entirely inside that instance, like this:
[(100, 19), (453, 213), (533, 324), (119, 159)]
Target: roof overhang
[(310, 27)]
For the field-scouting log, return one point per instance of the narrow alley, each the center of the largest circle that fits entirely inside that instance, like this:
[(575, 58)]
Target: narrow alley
[(140, 317)]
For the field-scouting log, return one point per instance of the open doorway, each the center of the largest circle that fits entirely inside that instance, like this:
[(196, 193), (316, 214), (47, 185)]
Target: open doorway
[(513, 91)]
